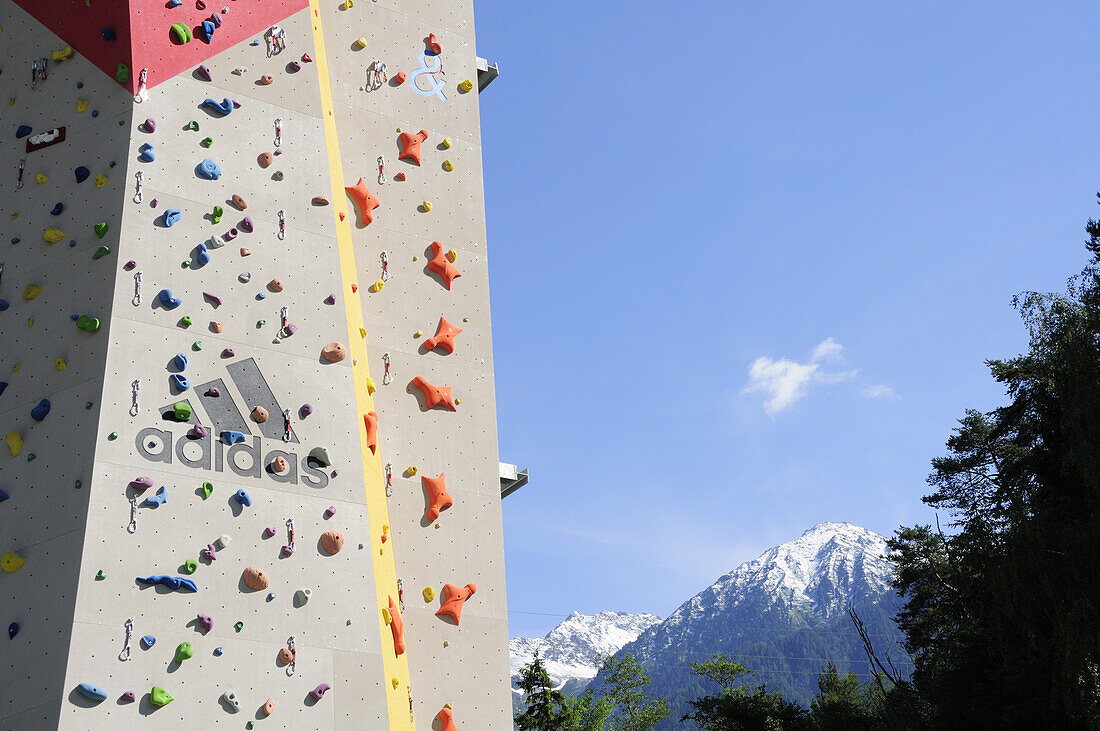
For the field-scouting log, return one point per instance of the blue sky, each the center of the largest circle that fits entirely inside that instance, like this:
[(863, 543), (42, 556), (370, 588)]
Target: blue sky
[(747, 263)]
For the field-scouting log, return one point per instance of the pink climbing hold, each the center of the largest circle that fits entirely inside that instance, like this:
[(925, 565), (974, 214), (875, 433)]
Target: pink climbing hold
[(213, 392), (228, 353), (330, 511), (210, 552), (269, 532), (141, 484), (199, 431), (204, 72), (320, 690), (215, 299), (305, 410), (129, 696), (206, 622)]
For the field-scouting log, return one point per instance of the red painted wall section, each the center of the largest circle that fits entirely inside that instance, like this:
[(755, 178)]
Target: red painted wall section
[(144, 31)]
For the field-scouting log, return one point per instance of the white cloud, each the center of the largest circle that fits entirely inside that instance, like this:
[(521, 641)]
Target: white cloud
[(879, 392), (785, 382)]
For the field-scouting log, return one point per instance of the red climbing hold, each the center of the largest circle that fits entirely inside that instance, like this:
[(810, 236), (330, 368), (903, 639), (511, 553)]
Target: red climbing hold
[(442, 266), (437, 492), (435, 395), (370, 421), (410, 145), (444, 337), (447, 720), (398, 629), (367, 202), (434, 44), (453, 599)]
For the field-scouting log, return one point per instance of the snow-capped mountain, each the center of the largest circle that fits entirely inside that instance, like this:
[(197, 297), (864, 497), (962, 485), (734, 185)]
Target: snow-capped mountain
[(569, 650)]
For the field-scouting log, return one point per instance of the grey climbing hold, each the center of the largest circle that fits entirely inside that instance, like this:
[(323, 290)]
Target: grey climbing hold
[(232, 437), (147, 155), (171, 216), (175, 583), (321, 456), (243, 498), (38, 413), (179, 381), (230, 699), (215, 242), (208, 170), (168, 300), (180, 361), (157, 500), (91, 692)]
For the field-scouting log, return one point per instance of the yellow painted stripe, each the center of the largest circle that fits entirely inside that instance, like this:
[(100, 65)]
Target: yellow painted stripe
[(385, 568)]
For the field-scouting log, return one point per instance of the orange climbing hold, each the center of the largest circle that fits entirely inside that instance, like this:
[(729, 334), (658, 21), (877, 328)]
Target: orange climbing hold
[(367, 202), (447, 720), (435, 395), (370, 421), (410, 145), (444, 337), (453, 599), (442, 266), (398, 629), (437, 492)]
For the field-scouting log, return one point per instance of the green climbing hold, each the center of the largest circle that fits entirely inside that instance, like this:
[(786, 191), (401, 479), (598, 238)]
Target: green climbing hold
[(181, 33), (88, 405), (182, 411), (190, 566), (185, 264), (218, 211), (122, 74), (250, 724), (159, 696), (207, 489), (184, 651), (112, 436), (238, 626), (186, 321), (197, 345), (207, 142), (78, 484), (111, 164), (91, 324), (101, 252), (31, 457), (261, 323), (101, 229), (100, 575), (192, 125)]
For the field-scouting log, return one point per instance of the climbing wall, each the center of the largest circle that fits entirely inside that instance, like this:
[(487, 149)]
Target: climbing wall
[(250, 459)]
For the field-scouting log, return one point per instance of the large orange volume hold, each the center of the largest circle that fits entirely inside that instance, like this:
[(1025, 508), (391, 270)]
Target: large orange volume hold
[(410, 145), (435, 395), (444, 337), (442, 266), (453, 600), (367, 202), (370, 421), (398, 629), (447, 720), (440, 498)]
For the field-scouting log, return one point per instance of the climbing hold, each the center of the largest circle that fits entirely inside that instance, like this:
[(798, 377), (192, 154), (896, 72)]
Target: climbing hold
[(370, 421), (31, 291), (190, 566), (275, 285), (128, 697), (400, 78), (181, 32), (224, 107), (439, 264), (221, 542), (433, 44), (438, 496), (148, 641), (255, 579), (15, 442), (267, 79), (367, 202), (208, 170), (122, 73), (453, 600), (330, 300), (410, 145), (319, 200), (378, 285), (334, 352), (426, 205), (218, 652), (397, 627), (57, 209), (268, 707), (411, 470), (330, 511), (435, 395), (208, 28), (302, 596), (465, 86), (184, 651), (230, 698), (100, 180), (320, 690), (286, 656), (179, 381), (101, 252), (149, 125), (242, 497), (160, 498), (448, 165), (52, 235), (429, 593), (360, 42), (168, 300), (246, 225), (100, 229), (91, 692), (371, 388), (39, 412), (175, 583), (444, 337), (181, 410), (180, 362), (13, 630), (399, 177), (332, 541), (22, 131), (11, 561), (147, 155), (159, 696), (207, 489), (265, 159), (206, 622), (100, 575), (141, 484), (446, 143), (280, 465), (82, 174)]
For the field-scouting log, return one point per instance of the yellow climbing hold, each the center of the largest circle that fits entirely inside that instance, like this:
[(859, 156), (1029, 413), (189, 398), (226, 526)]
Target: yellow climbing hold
[(32, 291), (451, 255), (411, 470), (40, 179), (15, 442), (417, 334), (386, 615), (30, 322), (448, 165), (427, 205), (395, 682), (81, 105), (60, 364), (446, 143), (378, 285), (63, 54), (100, 180), (11, 561), (370, 386), (465, 86), (52, 235), (361, 42), (362, 332), (429, 593), (349, 4)]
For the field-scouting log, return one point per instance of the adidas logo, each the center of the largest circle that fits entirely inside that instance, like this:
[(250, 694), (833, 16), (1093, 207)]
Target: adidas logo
[(244, 459)]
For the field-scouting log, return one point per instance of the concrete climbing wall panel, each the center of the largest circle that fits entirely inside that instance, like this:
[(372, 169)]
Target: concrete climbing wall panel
[(210, 417)]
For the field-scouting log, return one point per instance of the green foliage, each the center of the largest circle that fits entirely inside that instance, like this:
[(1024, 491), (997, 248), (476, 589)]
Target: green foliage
[(736, 708), (624, 684), (544, 704), (587, 712), (842, 703)]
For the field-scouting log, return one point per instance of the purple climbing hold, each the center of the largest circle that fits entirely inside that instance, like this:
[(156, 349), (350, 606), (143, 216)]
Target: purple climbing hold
[(228, 353), (149, 125), (269, 532), (330, 300), (210, 553), (320, 690), (294, 67), (246, 224), (206, 621), (288, 550), (213, 392), (213, 298), (290, 329), (305, 410), (199, 431), (330, 511), (129, 696), (141, 484), (129, 265), (216, 19), (204, 72), (230, 234)]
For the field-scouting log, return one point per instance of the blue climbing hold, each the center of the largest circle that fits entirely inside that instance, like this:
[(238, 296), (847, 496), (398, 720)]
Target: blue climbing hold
[(22, 132), (13, 630), (82, 174), (174, 3), (3, 496), (91, 692), (38, 413), (171, 216), (180, 361), (146, 151), (155, 501), (108, 33), (176, 583), (254, 43), (202, 255), (218, 652), (207, 30), (15, 239), (224, 108), (232, 437), (208, 170), (179, 381), (170, 302), (4, 305), (148, 641), (56, 211), (3, 385), (95, 112), (243, 498)]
